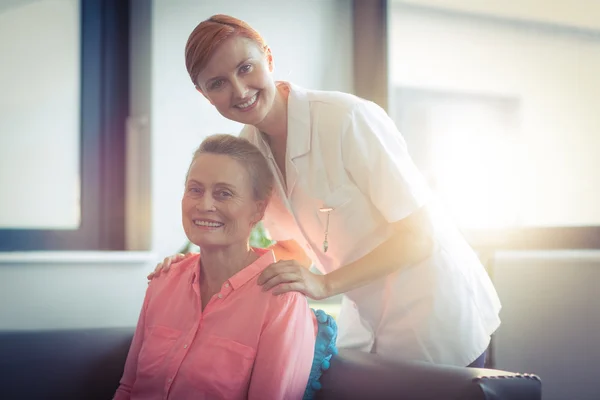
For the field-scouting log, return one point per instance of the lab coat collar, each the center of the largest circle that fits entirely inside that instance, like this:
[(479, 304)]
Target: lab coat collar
[(298, 140), (299, 132)]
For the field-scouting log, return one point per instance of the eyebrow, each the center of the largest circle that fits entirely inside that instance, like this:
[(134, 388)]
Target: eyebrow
[(236, 67), (227, 185)]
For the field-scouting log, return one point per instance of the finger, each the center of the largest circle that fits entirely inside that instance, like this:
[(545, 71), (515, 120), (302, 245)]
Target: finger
[(290, 287), (281, 278), (166, 264), (150, 276), (275, 269), (156, 271), (162, 266), (179, 257), (266, 276)]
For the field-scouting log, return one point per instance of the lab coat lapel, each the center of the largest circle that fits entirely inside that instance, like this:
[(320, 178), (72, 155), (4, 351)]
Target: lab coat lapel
[(279, 191), (298, 135)]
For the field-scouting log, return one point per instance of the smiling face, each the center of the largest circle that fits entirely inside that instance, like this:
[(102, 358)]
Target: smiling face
[(218, 206), (237, 80)]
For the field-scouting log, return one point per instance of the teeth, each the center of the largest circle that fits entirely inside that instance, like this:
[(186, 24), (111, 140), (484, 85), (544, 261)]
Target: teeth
[(248, 103), (207, 223)]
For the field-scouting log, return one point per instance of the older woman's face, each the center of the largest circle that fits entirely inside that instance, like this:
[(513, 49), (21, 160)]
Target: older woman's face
[(218, 206), (238, 82)]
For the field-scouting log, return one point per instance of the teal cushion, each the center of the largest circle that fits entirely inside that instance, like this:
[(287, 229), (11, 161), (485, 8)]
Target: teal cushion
[(324, 349)]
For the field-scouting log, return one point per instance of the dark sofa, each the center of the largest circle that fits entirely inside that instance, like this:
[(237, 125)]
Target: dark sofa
[(87, 365)]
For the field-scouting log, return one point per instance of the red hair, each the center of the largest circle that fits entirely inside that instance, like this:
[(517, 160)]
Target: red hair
[(209, 34)]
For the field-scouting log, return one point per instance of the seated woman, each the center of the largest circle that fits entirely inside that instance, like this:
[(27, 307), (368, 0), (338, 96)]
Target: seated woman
[(207, 329)]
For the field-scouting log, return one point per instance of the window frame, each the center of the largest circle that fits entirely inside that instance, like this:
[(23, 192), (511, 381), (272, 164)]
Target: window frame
[(104, 110), (371, 60)]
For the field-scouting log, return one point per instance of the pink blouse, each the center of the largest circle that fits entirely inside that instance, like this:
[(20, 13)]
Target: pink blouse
[(247, 343)]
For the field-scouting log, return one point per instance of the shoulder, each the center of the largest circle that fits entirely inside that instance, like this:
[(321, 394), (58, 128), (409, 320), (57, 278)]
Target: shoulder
[(343, 111), (334, 104), (288, 305), (290, 299), (333, 99), (179, 270)]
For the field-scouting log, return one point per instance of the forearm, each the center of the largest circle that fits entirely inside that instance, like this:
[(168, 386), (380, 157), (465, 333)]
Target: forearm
[(400, 251)]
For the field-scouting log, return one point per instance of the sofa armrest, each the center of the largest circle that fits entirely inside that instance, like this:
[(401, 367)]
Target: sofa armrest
[(358, 375)]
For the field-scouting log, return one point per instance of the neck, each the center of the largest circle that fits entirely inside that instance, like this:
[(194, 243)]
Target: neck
[(274, 125), (221, 263)]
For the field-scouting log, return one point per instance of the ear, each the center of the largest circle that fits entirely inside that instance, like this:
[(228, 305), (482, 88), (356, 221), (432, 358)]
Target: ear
[(261, 206), (270, 59), (203, 94)]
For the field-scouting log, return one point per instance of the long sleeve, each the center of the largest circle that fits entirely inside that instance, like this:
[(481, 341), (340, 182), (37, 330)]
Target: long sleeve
[(285, 351), (128, 379)]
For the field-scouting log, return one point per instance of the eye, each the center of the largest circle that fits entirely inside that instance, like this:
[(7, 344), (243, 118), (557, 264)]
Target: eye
[(217, 84), (224, 194), (195, 190), (245, 68)]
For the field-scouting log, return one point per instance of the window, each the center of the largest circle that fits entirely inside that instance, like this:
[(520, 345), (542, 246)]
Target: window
[(467, 146), (62, 135), (500, 115)]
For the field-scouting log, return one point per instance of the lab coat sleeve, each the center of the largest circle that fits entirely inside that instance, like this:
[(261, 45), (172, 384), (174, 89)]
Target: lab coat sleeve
[(285, 351), (376, 157)]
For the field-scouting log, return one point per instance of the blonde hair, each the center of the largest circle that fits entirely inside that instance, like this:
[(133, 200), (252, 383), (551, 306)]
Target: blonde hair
[(248, 155)]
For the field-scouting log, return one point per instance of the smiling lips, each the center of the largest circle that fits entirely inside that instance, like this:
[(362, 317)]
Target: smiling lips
[(208, 223), (248, 105)]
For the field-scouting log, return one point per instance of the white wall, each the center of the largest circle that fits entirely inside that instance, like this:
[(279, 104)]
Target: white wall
[(312, 45), (584, 14), (72, 290), (311, 42), (552, 73)]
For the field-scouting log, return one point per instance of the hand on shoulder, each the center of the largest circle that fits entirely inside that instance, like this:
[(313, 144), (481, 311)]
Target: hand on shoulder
[(165, 265)]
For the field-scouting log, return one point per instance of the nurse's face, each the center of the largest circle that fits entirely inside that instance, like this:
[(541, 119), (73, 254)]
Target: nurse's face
[(238, 81)]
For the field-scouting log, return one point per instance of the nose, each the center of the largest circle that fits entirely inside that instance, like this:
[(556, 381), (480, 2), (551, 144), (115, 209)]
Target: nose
[(206, 204), (240, 90)]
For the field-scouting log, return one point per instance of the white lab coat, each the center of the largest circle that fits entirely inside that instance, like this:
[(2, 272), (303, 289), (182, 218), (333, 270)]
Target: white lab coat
[(345, 153)]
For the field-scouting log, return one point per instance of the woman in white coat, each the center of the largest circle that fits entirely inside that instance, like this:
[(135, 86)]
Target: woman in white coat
[(349, 200)]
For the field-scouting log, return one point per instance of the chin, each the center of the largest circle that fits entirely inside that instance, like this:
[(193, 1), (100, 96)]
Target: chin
[(254, 117), (203, 241)]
